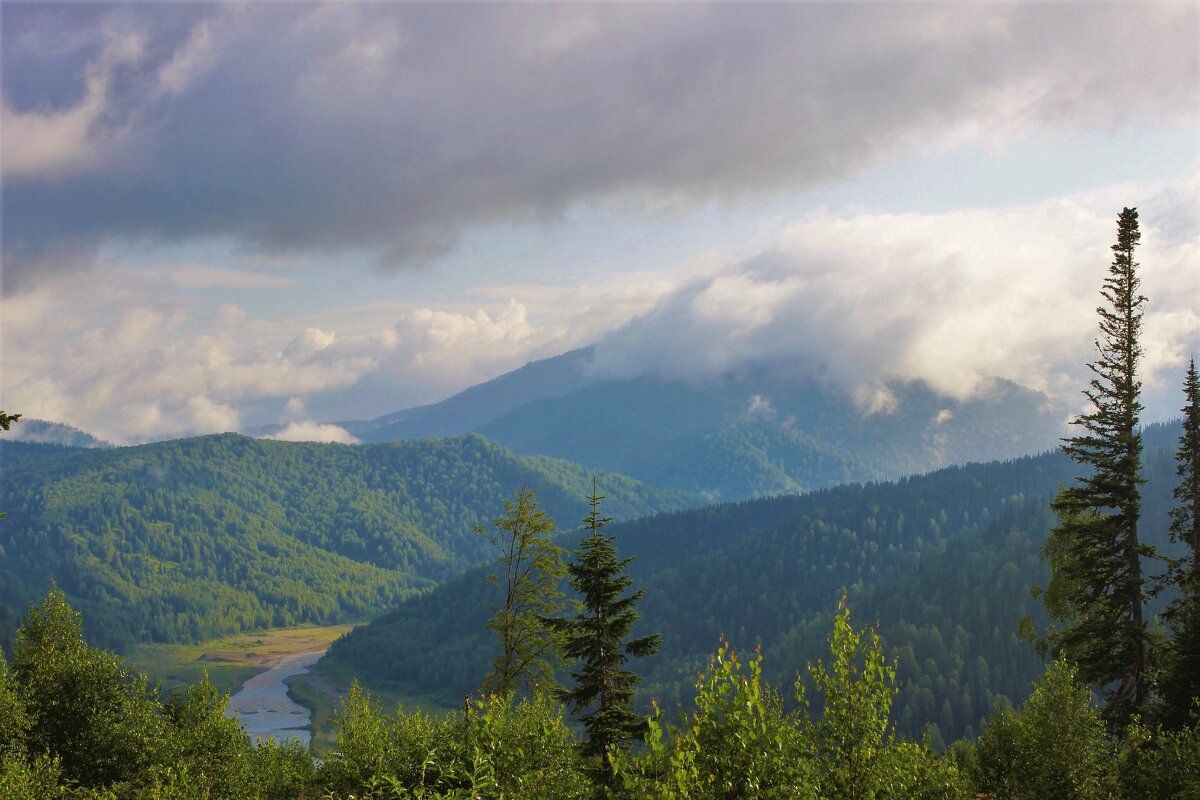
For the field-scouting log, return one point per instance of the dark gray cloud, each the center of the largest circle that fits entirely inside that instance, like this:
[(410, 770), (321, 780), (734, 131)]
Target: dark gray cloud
[(390, 129)]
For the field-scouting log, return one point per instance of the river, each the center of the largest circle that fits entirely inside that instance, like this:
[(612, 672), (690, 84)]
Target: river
[(264, 708)]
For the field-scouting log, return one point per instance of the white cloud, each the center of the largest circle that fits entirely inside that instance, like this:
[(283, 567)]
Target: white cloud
[(759, 408), (953, 299), (197, 55), (130, 361), (135, 359), (309, 431), (204, 277)]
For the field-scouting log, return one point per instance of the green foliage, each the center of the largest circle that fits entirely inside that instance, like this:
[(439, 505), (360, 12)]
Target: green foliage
[(1185, 517), (200, 538), (598, 640), (1095, 552), (281, 771), (737, 743), (740, 743), (86, 709), (212, 747), (40, 779), (491, 749), (15, 716), (943, 562), (853, 732), (1162, 764), (533, 568), (75, 723), (1055, 746)]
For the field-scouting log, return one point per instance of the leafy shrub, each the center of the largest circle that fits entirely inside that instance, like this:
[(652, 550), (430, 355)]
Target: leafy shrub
[(494, 748), (1055, 746), (1162, 764)]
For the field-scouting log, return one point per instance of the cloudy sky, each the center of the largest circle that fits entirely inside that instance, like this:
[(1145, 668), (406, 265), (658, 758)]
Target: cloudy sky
[(217, 216)]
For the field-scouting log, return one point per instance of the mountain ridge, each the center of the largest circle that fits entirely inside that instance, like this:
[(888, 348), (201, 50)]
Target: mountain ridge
[(758, 430)]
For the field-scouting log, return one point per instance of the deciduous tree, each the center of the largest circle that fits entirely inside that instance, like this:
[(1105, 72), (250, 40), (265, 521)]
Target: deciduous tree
[(532, 568)]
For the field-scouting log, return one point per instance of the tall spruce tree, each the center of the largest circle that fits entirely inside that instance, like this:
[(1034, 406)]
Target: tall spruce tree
[(597, 638), (1181, 676), (1185, 517), (1097, 589), (532, 569)]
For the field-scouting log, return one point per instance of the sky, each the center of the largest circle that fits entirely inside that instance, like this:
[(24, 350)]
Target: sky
[(221, 216)]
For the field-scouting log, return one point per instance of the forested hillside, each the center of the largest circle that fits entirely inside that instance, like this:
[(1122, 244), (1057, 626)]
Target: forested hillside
[(195, 538), (943, 561), (762, 431), (43, 432)]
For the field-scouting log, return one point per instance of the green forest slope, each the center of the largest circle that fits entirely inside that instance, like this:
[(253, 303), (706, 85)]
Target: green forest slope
[(944, 562), (197, 538)]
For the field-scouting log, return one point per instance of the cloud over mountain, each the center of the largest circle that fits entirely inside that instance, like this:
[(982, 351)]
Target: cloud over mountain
[(952, 299)]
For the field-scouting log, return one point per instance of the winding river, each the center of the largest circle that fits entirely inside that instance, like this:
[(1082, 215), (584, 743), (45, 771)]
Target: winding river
[(264, 708)]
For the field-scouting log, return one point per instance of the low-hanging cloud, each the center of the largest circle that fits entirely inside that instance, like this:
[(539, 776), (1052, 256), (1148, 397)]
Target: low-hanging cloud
[(394, 128), (309, 431), (135, 360), (953, 299)]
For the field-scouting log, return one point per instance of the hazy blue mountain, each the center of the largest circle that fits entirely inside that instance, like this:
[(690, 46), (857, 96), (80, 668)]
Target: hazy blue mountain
[(45, 432), (752, 432), (943, 562), (194, 538), (472, 407), (758, 432)]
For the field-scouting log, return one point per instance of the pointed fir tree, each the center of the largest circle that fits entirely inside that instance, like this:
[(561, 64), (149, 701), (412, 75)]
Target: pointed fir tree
[(1181, 678), (532, 569), (597, 640), (1185, 517), (1097, 589)]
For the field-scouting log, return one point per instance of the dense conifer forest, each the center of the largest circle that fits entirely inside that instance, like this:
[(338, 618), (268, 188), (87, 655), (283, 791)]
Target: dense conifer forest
[(944, 562), (191, 539)]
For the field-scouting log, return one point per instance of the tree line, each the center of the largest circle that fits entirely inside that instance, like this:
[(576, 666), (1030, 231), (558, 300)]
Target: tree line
[(75, 724)]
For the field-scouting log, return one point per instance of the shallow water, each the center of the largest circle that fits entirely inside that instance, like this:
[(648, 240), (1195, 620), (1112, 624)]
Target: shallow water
[(264, 708)]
